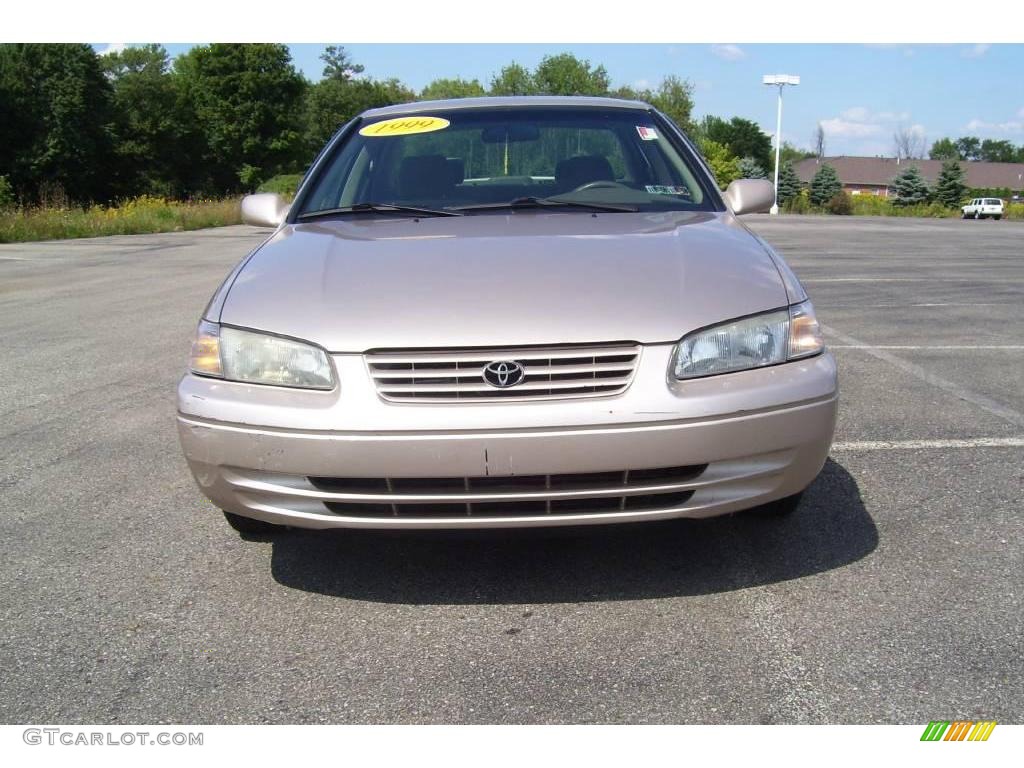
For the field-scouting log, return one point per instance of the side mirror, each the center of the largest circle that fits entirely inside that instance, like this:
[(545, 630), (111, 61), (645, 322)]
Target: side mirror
[(264, 210), (750, 196)]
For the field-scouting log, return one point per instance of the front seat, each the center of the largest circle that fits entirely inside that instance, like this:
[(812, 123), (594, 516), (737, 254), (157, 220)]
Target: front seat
[(582, 169), (424, 177)]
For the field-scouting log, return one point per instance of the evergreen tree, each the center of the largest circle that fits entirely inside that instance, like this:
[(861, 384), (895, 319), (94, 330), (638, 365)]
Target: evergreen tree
[(910, 188), (749, 169), (825, 185), (949, 187), (789, 183)]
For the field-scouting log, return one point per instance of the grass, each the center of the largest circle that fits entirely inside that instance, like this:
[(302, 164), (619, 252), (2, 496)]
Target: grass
[(141, 215)]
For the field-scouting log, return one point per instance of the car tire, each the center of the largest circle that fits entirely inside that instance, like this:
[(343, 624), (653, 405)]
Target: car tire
[(998, 216), (779, 508), (248, 526), (977, 216)]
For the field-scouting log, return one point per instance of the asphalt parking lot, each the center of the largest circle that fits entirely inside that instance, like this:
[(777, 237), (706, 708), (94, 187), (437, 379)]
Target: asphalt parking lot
[(894, 594)]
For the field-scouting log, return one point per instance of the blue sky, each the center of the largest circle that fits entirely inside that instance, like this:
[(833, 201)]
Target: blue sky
[(860, 93)]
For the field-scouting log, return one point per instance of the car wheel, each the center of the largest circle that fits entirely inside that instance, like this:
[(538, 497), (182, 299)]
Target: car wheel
[(977, 216), (248, 526), (998, 216), (779, 508)]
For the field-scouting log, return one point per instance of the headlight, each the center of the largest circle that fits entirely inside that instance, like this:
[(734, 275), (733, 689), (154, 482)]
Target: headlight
[(753, 342), (256, 358)]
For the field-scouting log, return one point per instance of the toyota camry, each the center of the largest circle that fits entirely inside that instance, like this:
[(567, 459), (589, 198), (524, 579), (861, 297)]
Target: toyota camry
[(507, 312)]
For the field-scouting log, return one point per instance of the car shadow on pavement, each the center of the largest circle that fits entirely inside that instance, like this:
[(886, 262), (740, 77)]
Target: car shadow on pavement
[(831, 528)]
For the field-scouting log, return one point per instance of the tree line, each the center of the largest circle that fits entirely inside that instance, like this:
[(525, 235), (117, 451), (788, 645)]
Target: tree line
[(973, 148), (79, 127)]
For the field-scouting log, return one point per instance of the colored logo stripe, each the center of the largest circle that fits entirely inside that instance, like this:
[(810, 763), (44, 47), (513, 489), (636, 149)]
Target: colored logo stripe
[(982, 730), (958, 730)]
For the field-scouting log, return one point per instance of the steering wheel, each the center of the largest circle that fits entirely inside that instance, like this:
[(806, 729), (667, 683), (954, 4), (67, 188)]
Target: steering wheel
[(602, 184)]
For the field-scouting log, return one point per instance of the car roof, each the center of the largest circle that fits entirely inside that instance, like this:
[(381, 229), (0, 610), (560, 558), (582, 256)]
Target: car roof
[(492, 102)]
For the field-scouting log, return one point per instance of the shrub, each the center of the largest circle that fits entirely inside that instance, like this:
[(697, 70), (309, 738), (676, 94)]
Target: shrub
[(6, 194), (801, 203), (840, 205), (284, 185)]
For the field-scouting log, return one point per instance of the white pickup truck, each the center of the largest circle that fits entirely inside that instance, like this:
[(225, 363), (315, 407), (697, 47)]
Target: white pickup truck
[(983, 207)]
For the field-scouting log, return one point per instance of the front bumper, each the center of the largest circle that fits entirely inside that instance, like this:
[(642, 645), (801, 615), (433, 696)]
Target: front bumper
[(737, 441)]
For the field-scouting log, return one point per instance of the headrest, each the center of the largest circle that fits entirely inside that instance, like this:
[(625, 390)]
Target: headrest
[(574, 171)]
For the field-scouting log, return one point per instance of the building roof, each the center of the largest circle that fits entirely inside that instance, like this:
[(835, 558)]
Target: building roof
[(506, 101), (880, 171)]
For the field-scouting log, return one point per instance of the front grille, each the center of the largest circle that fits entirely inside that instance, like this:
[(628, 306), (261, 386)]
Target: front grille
[(519, 495), (456, 375)]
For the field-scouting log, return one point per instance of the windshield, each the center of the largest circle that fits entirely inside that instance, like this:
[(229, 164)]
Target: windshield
[(477, 160)]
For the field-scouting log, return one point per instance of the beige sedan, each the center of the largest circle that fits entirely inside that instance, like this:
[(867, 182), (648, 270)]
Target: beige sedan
[(507, 312)]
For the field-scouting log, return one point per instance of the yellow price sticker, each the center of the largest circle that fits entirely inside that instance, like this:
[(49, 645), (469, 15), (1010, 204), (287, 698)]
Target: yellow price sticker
[(403, 126)]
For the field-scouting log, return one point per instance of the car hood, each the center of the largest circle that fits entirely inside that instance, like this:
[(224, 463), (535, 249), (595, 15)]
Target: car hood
[(363, 283)]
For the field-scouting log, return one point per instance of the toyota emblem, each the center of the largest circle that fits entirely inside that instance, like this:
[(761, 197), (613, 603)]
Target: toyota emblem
[(504, 373)]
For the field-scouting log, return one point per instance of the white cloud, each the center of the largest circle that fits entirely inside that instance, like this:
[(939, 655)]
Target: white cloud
[(837, 126), (112, 48), (865, 115), (976, 51), (905, 49), (642, 84), (861, 122), (728, 51), (1010, 126), (1020, 112)]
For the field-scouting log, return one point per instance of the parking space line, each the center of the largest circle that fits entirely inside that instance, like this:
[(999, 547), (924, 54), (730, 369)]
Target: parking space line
[(985, 403), (926, 346), (913, 445), (870, 279)]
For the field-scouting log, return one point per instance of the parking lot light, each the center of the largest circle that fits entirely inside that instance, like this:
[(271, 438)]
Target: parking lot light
[(781, 81)]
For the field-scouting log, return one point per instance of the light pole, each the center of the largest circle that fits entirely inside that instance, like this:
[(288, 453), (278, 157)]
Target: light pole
[(781, 81)]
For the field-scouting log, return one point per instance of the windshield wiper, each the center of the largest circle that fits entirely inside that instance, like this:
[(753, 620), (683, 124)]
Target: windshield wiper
[(547, 202), (375, 208)]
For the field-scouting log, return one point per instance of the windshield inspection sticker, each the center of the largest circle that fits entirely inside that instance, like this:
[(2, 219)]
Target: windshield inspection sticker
[(403, 126), (656, 189), (647, 134)]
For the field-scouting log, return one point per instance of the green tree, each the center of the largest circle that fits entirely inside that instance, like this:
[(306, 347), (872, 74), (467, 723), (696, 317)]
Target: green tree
[(513, 80), (246, 99), (944, 149), (565, 75), (338, 65), (789, 154), (997, 151), (452, 88), (950, 188), (674, 97), (910, 187), (825, 185), (749, 169), (789, 183), (149, 127), (743, 137), (723, 164), (332, 103), (56, 125), (969, 147)]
